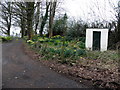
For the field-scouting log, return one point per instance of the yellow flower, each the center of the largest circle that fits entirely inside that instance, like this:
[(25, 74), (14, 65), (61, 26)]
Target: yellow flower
[(75, 50), (81, 57)]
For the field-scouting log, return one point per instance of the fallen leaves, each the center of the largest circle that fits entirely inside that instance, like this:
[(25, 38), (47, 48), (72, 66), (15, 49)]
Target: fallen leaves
[(99, 77)]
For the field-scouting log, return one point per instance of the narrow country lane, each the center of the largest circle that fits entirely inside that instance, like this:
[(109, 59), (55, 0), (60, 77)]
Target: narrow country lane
[(20, 71)]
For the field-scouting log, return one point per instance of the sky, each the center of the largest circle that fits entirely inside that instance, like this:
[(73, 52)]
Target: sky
[(87, 10), (84, 9)]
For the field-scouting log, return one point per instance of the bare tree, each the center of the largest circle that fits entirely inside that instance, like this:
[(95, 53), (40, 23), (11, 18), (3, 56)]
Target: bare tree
[(53, 5), (20, 17), (30, 14), (116, 22), (6, 15), (44, 18), (37, 16)]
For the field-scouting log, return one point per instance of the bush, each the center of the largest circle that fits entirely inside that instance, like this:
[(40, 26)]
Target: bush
[(59, 25), (76, 29), (69, 38), (6, 38), (82, 39)]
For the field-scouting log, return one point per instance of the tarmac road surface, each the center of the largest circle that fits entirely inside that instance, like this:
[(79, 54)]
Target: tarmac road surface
[(20, 71)]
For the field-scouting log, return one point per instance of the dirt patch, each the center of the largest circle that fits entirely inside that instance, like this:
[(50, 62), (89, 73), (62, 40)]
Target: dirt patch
[(92, 76)]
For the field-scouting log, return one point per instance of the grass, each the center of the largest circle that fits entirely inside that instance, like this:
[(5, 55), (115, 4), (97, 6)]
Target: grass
[(107, 59), (5, 38), (106, 55)]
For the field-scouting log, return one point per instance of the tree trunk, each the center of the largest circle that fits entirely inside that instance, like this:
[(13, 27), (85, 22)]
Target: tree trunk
[(30, 12), (52, 14), (22, 27), (37, 17), (118, 28), (9, 18), (8, 31), (44, 18)]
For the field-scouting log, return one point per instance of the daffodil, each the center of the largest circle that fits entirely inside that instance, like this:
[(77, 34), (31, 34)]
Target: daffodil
[(74, 50), (81, 57)]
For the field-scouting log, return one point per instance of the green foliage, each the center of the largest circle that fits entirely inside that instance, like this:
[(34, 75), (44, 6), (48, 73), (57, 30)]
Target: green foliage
[(6, 38), (25, 38), (30, 42), (35, 38), (76, 29), (82, 39), (57, 47), (58, 51), (81, 45), (80, 52), (57, 37), (106, 56), (68, 53), (50, 50), (59, 25)]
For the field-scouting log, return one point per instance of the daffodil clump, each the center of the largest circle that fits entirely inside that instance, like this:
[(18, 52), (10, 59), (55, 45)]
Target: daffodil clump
[(58, 47), (30, 42)]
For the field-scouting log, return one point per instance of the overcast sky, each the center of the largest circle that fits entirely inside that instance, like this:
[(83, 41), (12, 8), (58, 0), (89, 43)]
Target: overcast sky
[(84, 9)]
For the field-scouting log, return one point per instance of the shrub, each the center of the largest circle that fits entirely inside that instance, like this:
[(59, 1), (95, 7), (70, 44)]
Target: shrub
[(6, 38), (76, 29), (68, 38), (59, 25), (82, 39)]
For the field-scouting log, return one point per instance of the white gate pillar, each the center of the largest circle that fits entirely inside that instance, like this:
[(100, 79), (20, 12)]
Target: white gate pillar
[(103, 39)]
